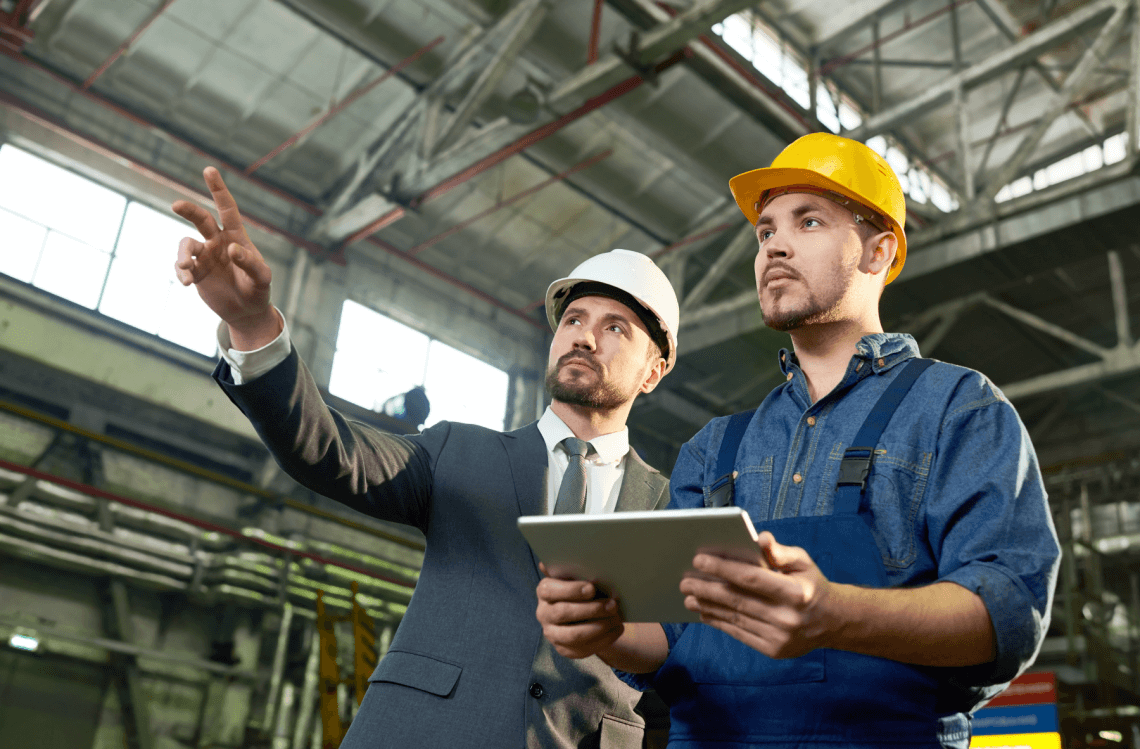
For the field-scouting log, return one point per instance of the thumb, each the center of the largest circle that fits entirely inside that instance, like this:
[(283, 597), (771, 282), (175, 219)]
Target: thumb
[(780, 557), (250, 262)]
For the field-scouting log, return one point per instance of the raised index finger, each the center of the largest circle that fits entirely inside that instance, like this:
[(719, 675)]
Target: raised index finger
[(228, 212)]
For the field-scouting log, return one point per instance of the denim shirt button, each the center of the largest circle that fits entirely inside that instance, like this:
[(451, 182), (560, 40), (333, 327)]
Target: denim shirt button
[(789, 375), (881, 361), (811, 421), (797, 478)]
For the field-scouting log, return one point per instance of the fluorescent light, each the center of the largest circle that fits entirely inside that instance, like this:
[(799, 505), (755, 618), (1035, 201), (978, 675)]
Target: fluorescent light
[(24, 642), (1112, 735)]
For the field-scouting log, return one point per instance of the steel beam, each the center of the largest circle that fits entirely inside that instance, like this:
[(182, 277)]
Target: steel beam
[(1059, 102), (741, 244), (1119, 300), (1045, 326), (1009, 99), (127, 44), (343, 104), (516, 29), (972, 236), (597, 84), (1023, 51), (670, 35), (726, 325), (1132, 116), (852, 17), (1119, 361), (580, 166), (712, 312), (128, 681)]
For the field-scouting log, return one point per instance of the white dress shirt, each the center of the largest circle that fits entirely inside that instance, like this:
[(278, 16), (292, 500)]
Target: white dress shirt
[(605, 468)]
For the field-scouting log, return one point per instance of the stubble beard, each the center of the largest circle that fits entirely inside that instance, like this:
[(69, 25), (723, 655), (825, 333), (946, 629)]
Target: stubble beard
[(814, 310), (598, 394)]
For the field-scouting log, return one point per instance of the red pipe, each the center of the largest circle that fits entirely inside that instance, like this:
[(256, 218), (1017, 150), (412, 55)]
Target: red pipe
[(14, 31), (692, 238), (93, 491), (126, 45), (595, 32), (528, 140), (344, 104), (431, 269), (513, 199), (126, 114)]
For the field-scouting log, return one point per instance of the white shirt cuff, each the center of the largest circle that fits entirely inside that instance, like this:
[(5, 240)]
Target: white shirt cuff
[(247, 366)]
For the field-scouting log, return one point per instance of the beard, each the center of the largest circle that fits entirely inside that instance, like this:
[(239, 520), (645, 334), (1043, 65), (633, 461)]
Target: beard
[(817, 308), (598, 394)]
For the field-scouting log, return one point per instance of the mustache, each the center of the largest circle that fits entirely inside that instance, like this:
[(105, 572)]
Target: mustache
[(581, 356), (781, 267)]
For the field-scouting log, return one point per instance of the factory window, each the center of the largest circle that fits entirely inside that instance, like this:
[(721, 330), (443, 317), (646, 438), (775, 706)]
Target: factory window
[(90, 245), (1090, 159), (772, 56), (378, 359)]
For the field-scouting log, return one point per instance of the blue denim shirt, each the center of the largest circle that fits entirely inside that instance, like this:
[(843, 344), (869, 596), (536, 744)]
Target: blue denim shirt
[(954, 493)]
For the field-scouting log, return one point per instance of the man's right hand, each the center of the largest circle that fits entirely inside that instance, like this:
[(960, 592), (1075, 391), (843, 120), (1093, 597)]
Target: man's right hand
[(576, 623), (230, 274)]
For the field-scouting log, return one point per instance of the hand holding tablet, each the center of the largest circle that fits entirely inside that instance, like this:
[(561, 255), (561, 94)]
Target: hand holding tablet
[(639, 558)]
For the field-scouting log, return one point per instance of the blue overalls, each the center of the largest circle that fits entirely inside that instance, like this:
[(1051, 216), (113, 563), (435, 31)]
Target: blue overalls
[(723, 693)]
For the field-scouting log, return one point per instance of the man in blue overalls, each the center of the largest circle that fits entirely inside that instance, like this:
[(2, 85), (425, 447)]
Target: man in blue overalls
[(910, 553)]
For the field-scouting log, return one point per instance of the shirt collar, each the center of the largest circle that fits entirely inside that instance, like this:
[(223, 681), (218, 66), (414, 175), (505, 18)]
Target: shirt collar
[(609, 447), (883, 350)]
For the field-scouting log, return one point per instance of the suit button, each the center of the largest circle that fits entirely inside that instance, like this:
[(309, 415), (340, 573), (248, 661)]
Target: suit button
[(537, 691)]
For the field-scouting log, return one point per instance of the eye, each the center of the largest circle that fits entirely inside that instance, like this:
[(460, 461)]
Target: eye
[(812, 222), (615, 328), (571, 321), (766, 235)]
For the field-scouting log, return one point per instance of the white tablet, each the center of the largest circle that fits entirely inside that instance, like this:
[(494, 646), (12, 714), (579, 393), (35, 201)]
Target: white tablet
[(640, 557)]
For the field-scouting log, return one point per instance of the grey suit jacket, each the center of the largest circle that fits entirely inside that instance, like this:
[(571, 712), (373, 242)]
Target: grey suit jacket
[(468, 666)]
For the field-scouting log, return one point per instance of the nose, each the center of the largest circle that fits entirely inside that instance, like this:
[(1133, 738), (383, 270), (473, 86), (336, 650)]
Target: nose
[(584, 339), (776, 247)]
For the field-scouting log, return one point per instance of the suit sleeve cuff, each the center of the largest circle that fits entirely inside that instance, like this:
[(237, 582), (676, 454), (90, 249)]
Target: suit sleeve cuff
[(247, 366), (1017, 623)]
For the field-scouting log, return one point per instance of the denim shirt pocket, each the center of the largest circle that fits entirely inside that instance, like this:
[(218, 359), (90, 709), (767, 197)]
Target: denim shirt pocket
[(896, 486), (753, 485)]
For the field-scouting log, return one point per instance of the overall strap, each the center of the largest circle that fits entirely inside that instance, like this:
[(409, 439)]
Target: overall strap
[(721, 492), (857, 458)]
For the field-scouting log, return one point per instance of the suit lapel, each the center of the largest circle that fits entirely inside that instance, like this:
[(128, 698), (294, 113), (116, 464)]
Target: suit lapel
[(527, 455), (641, 488)]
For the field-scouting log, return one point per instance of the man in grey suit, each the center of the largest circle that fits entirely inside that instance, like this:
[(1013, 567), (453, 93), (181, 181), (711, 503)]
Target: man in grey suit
[(469, 666)]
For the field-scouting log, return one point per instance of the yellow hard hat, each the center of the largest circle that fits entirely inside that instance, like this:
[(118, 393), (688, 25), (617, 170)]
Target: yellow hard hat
[(831, 164)]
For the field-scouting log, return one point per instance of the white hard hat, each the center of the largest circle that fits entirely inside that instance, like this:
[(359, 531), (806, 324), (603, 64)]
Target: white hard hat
[(634, 274)]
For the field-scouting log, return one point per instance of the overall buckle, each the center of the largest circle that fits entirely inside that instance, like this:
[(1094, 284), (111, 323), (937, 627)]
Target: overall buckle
[(855, 466)]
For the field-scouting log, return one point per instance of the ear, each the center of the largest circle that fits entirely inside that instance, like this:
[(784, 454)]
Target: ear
[(880, 251), (653, 375)]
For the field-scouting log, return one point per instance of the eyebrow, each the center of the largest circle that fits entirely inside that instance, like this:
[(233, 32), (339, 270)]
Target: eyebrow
[(608, 317), (800, 210)]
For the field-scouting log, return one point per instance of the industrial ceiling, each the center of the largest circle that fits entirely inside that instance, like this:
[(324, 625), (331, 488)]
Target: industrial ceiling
[(497, 144)]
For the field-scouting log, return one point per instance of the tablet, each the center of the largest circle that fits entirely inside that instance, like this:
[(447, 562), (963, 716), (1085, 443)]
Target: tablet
[(640, 557)]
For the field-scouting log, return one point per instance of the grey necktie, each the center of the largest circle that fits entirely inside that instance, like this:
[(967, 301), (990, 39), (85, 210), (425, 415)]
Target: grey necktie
[(572, 493)]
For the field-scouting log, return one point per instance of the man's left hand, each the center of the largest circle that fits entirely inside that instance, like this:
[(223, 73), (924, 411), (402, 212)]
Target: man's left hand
[(783, 612)]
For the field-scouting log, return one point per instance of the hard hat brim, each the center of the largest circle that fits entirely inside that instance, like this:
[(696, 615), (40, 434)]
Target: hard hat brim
[(748, 187)]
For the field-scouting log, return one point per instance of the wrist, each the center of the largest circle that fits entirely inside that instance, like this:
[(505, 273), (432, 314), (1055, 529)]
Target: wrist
[(256, 331), (838, 617)]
